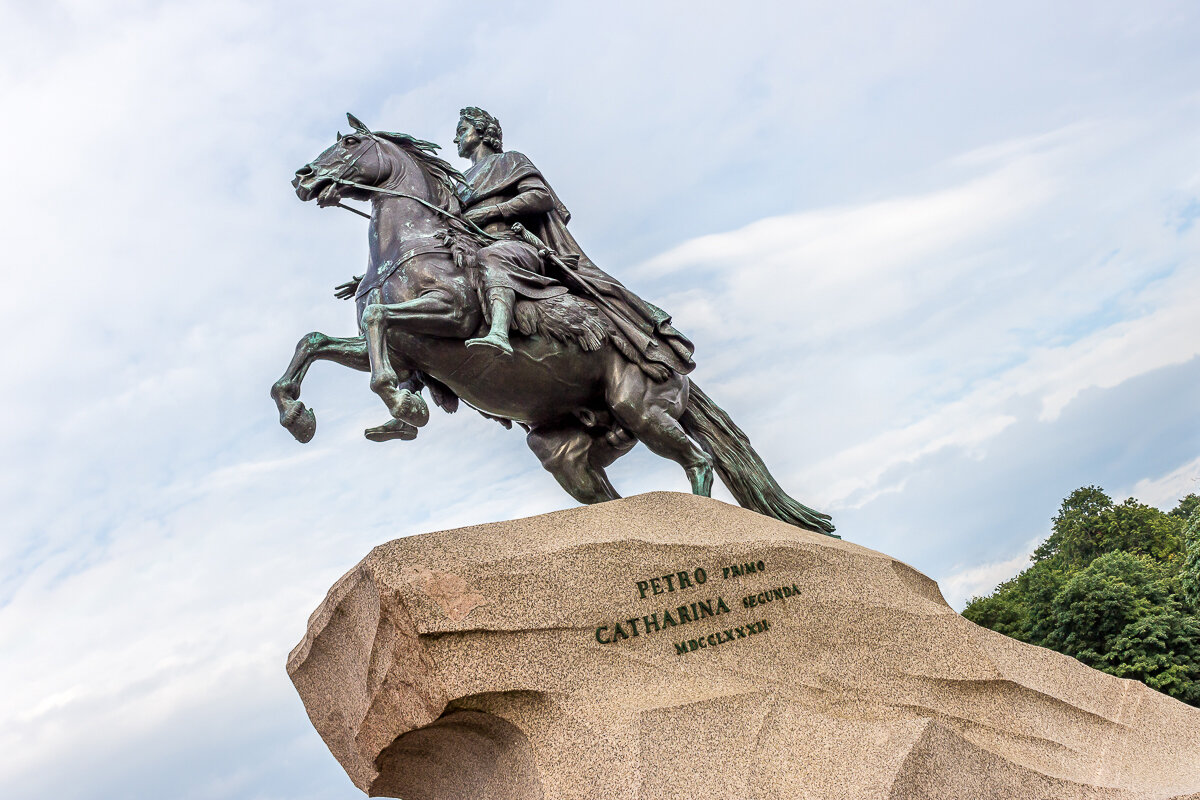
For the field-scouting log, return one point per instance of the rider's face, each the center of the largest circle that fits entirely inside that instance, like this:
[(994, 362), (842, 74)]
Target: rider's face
[(467, 138)]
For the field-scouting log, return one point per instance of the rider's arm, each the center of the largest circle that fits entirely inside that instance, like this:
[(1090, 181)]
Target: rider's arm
[(532, 198)]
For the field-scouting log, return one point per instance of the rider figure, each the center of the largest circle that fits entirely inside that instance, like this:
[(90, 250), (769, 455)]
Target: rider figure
[(505, 187)]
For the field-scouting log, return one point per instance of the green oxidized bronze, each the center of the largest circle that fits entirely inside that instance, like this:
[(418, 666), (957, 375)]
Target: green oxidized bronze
[(476, 291)]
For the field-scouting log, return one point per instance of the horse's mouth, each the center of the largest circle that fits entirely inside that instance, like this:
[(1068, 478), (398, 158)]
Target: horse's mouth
[(325, 190), (329, 196)]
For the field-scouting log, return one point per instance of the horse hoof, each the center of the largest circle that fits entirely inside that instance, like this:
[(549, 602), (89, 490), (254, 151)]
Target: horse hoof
[(410, 408), (303, 425), (392, 429)]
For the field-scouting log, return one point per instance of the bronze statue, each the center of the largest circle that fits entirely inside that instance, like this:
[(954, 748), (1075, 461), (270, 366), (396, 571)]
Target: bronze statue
[(475, 290), (503, 188)]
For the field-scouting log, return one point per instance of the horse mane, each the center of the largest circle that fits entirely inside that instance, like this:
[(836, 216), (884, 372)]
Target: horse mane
[(442, 176)]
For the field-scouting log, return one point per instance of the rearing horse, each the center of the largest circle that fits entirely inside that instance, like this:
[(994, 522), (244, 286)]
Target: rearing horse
[(583, 403)]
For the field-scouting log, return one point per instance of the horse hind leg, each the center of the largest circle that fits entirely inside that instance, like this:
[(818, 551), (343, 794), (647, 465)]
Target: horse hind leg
[(650, 410), (566, 453), (300, 421)]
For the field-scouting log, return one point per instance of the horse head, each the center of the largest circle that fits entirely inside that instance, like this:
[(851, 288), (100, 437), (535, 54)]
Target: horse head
[(364, 160)]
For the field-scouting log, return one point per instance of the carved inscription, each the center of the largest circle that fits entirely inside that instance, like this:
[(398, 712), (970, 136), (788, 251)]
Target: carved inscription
[(657, 621), (778, 593), (701, 605), (685, 580), (738, 570), (721, 637)]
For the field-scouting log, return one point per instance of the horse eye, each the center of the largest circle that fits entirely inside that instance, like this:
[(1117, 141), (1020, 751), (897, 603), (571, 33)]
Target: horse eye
[(349, 141)]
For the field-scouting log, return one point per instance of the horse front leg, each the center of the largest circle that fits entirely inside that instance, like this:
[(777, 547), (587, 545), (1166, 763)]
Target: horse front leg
[(431, 314), (301, 422)]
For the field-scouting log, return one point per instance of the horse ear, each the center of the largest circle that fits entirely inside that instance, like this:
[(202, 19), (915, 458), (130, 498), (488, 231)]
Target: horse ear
[(357, 124), (339, 136)]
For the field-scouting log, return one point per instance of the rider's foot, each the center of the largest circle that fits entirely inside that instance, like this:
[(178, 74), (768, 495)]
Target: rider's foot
[(392, 429), (495, 340)]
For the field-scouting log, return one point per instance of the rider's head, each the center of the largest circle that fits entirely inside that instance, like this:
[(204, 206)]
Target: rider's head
[(487, 126)]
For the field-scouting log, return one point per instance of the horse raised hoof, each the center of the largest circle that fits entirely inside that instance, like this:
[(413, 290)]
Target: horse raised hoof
[(392, 429), (301, 422)]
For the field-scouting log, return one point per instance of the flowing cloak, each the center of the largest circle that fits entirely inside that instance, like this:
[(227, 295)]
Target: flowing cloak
[(646, 326)]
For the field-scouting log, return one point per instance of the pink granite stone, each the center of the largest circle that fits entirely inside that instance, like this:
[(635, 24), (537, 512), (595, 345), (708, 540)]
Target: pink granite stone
[(564, 657)]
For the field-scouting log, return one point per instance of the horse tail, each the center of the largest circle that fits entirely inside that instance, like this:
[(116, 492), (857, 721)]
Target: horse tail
[(742, 469)]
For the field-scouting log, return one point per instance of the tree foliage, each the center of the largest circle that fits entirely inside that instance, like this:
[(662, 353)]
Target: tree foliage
[(1190, 577), (1117, 586)]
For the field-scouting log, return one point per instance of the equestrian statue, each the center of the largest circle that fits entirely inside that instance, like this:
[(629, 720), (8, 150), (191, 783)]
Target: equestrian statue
[(476, 291)]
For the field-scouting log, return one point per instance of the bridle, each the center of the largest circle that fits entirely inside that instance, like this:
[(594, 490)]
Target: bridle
[(341, 179)]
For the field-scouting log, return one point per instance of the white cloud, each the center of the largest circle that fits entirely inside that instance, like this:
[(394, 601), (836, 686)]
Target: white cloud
[(1165, 491), (1052, 375), (979, 275), (963, 584)]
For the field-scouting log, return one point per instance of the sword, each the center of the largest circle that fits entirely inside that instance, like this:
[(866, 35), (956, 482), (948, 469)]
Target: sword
[(631, 331), (532, 240), (545, 251)]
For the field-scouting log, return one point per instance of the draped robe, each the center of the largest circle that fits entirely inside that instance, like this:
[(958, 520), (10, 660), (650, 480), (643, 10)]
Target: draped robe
[(519, 192)]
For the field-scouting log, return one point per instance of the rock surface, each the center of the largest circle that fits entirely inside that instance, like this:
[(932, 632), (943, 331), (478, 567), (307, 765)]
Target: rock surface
[(500, 661)]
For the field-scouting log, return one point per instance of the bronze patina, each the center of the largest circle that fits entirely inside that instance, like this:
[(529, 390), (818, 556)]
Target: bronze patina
[(476, 291)]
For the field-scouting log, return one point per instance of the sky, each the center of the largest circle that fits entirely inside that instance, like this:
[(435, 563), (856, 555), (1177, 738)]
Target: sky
[(941, 262)]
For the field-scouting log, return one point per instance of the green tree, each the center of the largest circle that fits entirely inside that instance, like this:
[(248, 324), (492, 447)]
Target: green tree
[(1135, 527), (1021, 607), (1190, 574), (1037, 587), (1161, 648), (1116, 586), (1004, 611), (1188, 506), (1097, 603), (1088, 524), (1074, 527)]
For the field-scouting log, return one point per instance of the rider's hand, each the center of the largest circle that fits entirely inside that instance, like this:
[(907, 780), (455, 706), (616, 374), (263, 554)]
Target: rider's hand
[(481, 215), (344, 291)]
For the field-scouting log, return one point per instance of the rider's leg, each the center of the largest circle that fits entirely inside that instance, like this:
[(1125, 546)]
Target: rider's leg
[(316, 346), (500, 302), (650, 410), (507, 269)]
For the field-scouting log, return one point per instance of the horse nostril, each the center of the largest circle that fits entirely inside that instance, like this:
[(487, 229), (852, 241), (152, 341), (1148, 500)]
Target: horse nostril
[(301, 174)]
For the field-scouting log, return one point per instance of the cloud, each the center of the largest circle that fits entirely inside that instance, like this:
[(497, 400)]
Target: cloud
[(978, 274), (959, 583), (1165, 491), (959, 510), (980, 580), (1054, 376)]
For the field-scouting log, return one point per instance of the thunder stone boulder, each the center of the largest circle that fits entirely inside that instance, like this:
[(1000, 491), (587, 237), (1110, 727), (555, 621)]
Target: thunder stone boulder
[(675, 646)]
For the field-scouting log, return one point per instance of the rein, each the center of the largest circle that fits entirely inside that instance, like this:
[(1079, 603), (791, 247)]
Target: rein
[(425, 203), (471, 226)]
